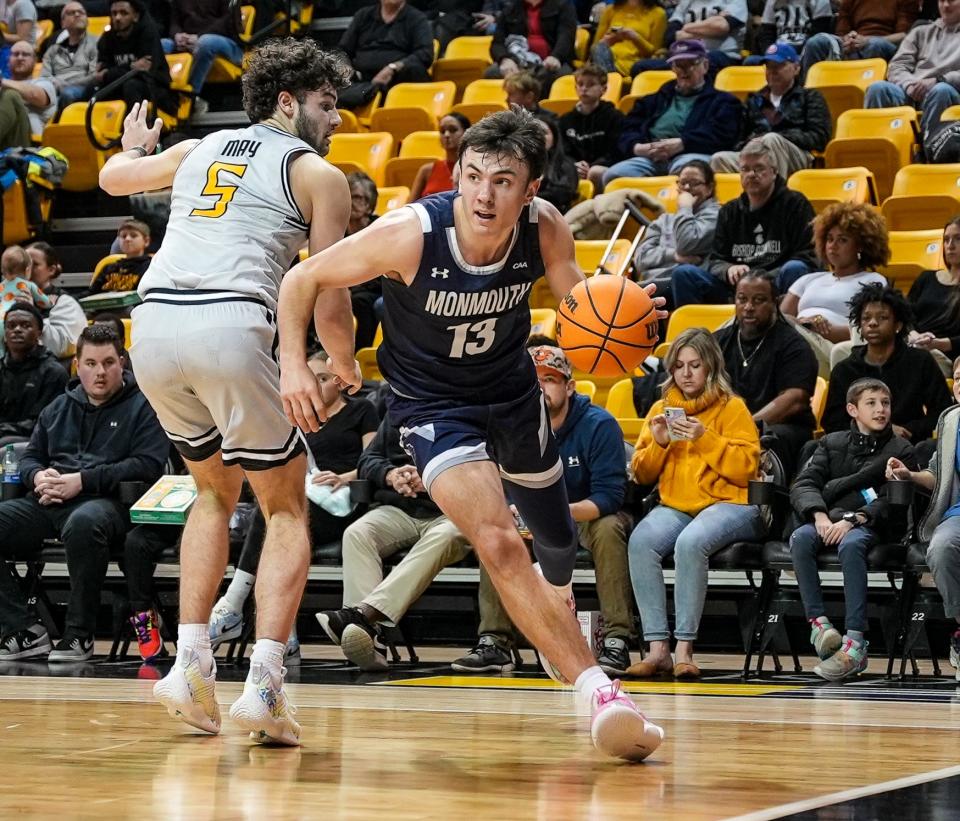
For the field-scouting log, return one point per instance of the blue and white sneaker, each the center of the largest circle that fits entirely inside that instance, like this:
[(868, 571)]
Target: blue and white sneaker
[(225, 624)]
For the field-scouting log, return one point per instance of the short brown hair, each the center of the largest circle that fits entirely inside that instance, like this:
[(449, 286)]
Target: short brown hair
[(289, 64), (524, 82), (857, 220), (99, 334), (135, 225), (514, 133), (591, 70), (862, 386)]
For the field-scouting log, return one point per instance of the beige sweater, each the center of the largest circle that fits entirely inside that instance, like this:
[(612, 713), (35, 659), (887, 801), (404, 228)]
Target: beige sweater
[(927, 51)]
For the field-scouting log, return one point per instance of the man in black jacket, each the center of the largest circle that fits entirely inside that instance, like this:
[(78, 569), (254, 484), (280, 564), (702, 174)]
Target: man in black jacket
[(517, 46), (768, 228), (840, 497), (98, 434), (792, 121), (30, 376), (405, 518), (133, 42), (687, 119), (387, 43), (207, 29)]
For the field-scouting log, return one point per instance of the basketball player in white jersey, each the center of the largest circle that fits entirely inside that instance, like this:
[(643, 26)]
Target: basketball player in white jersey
[(205, 350), (457, 272)]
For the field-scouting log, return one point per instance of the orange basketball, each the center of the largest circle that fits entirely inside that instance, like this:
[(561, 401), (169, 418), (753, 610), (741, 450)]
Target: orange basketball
[(607, 325)]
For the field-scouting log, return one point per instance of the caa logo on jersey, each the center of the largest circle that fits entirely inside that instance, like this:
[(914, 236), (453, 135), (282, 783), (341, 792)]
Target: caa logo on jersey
[(519, 265)]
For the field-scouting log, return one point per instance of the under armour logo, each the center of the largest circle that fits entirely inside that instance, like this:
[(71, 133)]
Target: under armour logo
[(519, 265), (113, 424), (440, 272), (573, 462)]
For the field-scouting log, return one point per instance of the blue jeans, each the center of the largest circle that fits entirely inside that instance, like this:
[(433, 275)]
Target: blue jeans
[(71, 94), (209, 47), (824, 46), (805, 543), (887, 95), (693, 285), (692, 540), (642, 167)]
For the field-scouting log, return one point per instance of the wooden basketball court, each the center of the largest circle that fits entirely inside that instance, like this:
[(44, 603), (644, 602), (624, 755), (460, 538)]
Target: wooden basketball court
[(424, 744)]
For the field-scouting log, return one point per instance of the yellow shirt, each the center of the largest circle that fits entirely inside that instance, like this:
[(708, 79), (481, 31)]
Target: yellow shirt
[(714, 468), (649, 23)]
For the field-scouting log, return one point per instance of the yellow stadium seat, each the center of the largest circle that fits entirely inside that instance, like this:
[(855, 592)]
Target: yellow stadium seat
[(587, 387), (729, 187), (480, 98), (650, 82), (417, 149), (563, 92), (824, 186), (581, 45), (103, 263), (543, 321), (16, 223), (390, 197), (45, 29), (843, 83), (180, 66), (620, 400), (951, 114), (819, 399), (365, 112), (349, 124), (590, 254), (413, 107), (584, 191), (710, 317), (127, 331), (222, 70), (881, 139), (367, 357), (741, 81), (98, 25), (69, 136), (631, 428), (912, 253), (362, 152), (464, 61), (603, 384), (924, 196), (663, 188)]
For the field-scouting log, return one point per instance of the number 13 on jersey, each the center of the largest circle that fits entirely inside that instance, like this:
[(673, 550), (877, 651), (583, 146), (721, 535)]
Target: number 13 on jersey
[(215, 188), (472, 338)]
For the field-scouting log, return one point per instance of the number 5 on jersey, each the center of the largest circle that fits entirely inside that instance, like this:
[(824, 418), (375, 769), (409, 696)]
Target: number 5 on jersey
[(481, 337), (215, 188)]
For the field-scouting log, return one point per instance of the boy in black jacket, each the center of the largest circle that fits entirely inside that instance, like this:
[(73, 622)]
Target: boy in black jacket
[(98, 434), (841, 496), (590, 129)]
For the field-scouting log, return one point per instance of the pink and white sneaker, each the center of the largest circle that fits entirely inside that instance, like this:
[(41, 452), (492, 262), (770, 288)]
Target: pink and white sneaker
[(619, 729)]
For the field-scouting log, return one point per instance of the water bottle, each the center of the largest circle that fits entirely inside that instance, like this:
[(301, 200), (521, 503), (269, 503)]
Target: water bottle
[(11, 473)]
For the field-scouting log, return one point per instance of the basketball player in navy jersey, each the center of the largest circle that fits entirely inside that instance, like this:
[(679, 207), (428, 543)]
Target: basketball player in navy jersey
[(457, 271)]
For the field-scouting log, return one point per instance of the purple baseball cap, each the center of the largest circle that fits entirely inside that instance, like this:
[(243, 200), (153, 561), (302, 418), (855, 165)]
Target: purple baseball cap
[(687, 50)]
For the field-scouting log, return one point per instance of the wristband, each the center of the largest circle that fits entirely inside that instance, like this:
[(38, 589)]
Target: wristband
[(143, 151)]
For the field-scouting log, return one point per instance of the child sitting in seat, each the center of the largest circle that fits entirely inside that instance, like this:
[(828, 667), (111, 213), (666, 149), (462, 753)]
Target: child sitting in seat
[(840, 498), (133, 239), (17, 287)]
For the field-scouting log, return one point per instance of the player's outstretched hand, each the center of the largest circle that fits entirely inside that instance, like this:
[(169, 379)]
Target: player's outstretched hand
[(658, 301), (348, 376), (302, 401), (136, 132)]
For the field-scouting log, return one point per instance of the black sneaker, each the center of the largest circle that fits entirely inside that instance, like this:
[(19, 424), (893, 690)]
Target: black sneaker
[(72, 648), (24, 644), (614, 658), (333, 622), (486, 657), (361, 644)]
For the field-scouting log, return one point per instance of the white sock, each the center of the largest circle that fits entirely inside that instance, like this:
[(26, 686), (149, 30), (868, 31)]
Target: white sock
[(240, 586), (269, 653), (195, 637), (589, 681)]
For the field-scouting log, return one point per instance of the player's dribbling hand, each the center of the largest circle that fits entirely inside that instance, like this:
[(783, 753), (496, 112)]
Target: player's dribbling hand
[(658, 301), (302, 402), (136, 132)]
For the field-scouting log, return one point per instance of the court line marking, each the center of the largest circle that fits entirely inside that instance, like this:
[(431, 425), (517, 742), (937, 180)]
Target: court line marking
[(73, 753), (847, 795)]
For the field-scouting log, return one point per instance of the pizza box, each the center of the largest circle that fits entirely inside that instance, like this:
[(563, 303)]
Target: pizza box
[(166, 503)]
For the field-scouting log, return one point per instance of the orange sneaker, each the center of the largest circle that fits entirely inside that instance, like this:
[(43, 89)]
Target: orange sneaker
[(147, 627)]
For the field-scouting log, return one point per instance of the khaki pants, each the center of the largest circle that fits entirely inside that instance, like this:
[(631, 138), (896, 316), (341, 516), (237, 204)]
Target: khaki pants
[(14, 122), (606, 539), (434, 544), (787, 157)]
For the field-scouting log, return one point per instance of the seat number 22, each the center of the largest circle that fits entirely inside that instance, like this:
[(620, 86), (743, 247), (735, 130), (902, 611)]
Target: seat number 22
[(472, 338)]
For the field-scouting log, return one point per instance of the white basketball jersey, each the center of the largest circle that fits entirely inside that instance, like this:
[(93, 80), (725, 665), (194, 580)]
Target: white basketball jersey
[(234, 225)]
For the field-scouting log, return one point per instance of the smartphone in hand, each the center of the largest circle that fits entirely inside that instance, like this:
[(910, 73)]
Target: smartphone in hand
[(674, 415)]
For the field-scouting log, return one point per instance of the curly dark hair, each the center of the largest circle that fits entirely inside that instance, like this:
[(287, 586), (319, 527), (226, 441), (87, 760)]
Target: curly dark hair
[(891, 297), (863, 223), (288, 64), (513, 133)]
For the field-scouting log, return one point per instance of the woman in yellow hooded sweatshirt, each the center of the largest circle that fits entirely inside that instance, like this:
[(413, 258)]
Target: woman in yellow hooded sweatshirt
[(702, 460)]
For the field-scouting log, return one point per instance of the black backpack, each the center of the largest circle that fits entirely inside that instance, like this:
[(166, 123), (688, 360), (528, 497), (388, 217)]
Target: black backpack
[(941, 143)]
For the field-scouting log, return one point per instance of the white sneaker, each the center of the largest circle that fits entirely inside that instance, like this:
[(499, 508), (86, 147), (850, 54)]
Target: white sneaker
[(189, 695), (263, 709), (619, 729), (225, 624)]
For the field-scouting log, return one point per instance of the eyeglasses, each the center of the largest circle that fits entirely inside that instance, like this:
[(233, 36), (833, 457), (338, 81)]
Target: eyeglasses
[(684, 184), (755, 170)]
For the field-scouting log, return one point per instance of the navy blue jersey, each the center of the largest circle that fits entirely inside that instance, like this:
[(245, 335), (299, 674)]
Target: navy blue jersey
[(459, 331)]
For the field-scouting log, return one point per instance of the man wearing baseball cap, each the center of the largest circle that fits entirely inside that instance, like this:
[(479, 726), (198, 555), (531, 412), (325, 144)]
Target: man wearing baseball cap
[(790, 120), (592, 450), (687, 119)]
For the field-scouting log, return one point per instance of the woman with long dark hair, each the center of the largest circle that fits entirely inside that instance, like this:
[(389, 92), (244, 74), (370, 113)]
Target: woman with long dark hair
[(935, 299), (437, 176)]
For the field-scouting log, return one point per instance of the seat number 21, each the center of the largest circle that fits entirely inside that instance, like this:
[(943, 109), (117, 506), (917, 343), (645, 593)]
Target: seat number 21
[(472, 338)]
